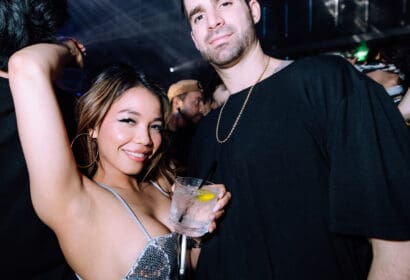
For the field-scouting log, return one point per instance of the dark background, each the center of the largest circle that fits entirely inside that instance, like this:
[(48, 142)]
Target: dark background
[(154, 36)]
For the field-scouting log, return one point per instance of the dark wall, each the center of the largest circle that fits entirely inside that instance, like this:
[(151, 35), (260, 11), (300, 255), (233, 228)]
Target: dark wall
[(293, 27)]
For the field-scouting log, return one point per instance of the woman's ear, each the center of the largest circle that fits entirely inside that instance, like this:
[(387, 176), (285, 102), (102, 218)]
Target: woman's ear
[(93, 132)]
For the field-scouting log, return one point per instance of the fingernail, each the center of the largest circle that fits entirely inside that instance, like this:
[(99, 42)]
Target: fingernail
[(216, 208)]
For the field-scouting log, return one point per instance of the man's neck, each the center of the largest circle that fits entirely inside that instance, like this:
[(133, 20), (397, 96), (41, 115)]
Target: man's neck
[(247, 70)]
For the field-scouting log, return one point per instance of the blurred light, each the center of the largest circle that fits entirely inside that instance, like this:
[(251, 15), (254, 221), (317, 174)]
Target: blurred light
[(361, 52), (185, 66)]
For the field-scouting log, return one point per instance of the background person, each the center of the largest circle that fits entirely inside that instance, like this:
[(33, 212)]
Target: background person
[(187, 109), (219, 96), (315, 153), (29, 249)]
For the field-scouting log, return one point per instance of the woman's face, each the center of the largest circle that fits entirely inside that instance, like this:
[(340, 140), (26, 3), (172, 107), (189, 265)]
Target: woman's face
[(130, 133)]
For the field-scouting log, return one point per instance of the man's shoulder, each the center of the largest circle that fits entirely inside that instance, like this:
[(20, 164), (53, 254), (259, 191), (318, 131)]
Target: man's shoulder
[(322, 62)]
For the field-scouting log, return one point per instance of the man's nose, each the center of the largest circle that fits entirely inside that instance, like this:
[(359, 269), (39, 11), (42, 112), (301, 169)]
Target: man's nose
[(214, 19)]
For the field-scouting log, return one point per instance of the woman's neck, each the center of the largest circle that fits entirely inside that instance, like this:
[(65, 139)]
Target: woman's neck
[(122, 181)]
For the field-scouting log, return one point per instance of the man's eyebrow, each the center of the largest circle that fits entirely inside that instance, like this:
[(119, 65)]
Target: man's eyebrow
[(194, 11)]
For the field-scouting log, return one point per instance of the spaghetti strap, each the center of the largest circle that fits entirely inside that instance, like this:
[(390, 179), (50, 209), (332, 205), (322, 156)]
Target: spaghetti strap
[(158, 187), (128, 208)]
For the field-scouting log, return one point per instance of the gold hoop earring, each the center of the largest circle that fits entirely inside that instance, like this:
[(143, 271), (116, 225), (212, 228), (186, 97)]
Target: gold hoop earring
[(91, 148)]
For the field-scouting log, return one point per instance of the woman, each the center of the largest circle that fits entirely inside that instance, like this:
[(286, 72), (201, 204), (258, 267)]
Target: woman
[(112, 223)]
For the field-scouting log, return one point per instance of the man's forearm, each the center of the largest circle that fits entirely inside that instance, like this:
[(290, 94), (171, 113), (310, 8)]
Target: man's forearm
[(391, 260)]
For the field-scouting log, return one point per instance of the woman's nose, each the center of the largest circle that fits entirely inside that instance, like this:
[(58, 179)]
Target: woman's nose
[(142, 136)]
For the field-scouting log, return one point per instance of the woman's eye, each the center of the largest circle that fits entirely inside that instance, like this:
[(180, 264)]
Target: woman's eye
[(158, 127), (226, 3), (127, 120)]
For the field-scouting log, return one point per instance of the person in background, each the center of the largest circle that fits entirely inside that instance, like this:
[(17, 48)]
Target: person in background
[(111, 219), (390, 67), (186, 100), (219, 96), (29, 249), (404, 106), (315, 153)]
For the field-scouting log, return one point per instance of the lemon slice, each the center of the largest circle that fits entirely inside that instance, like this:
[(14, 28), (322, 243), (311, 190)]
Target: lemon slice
[(204, 195)]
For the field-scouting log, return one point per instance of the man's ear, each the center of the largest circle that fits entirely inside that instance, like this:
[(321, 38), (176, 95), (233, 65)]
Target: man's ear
[(255, 9), (193, 40), (179, 103)]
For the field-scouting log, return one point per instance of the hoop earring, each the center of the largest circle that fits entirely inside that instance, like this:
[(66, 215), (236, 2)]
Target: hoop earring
[(89, 145)]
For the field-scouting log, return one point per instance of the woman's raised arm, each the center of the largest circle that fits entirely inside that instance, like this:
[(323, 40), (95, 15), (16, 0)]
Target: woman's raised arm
[(54, 179)]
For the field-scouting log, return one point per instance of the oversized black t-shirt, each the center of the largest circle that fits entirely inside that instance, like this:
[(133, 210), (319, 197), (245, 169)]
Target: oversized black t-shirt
[(319, 162), (28, 248)]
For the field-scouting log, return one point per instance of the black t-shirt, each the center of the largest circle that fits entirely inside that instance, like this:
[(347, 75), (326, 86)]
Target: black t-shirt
[(28, 248), (318, 163)]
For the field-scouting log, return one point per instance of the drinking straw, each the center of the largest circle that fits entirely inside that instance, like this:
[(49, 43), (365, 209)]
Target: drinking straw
[(211, 172), (183, 254)]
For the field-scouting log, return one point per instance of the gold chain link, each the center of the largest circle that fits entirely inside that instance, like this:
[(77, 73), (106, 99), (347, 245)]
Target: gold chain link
[(240, 112)]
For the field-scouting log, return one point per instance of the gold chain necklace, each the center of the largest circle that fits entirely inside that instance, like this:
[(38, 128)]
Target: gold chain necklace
[(240, 112)]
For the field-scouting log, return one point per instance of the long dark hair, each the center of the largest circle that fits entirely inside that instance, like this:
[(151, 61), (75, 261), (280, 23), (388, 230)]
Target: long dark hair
[(27, 22)]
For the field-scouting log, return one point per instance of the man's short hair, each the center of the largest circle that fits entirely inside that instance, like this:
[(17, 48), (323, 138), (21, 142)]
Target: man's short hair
[(182, 5), (183, 87)]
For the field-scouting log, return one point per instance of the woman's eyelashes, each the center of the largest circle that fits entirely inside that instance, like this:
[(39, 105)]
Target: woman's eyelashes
[(158, 127), (127, 120)]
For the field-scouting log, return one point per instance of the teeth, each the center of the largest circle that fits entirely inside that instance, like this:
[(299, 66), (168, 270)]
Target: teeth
[(138, 155)]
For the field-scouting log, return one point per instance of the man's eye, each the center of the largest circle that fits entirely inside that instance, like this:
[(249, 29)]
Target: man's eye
[(198, 18)]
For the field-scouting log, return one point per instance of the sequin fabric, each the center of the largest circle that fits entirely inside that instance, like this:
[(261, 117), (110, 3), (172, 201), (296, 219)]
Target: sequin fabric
[(158, 260)]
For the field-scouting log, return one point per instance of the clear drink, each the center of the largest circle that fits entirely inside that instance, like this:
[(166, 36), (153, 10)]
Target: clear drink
[(191, 207)]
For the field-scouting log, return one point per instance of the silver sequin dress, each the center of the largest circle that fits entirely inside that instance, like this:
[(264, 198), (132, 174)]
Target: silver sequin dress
[(159, 258)]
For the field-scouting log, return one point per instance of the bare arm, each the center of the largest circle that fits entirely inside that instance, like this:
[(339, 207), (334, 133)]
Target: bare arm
[(404, 106), (391, 260), (54, 179)]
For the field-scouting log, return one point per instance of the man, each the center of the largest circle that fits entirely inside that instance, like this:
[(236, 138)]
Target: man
[(187, 104), (315, 154), (187, 108), (29, 249)]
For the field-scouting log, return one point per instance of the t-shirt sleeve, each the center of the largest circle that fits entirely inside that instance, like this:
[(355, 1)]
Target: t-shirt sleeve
[(368, 145)]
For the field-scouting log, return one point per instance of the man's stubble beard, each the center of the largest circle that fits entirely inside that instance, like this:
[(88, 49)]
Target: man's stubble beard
[(228, 54)]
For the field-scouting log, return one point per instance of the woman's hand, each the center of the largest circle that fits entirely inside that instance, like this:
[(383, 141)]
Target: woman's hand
[(223, 199), (76, 49)]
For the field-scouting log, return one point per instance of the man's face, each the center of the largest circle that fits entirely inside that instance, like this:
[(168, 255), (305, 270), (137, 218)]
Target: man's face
[(222, 30), (192, 106)]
